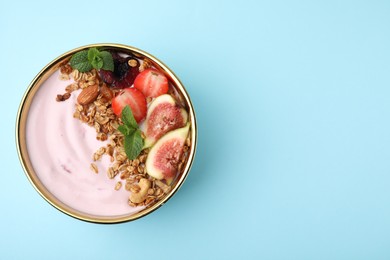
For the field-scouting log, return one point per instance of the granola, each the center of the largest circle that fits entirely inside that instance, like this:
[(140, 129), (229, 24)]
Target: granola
[(95, 108)]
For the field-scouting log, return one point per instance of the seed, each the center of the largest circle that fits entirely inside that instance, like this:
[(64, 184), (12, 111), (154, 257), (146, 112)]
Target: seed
[(94, 168), (110, 173), (95, 157), (97, 127), (118, 185), (101, 151)]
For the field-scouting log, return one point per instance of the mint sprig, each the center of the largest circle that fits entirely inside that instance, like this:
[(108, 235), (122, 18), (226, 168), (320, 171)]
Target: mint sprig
[(79, 61), (86, 60), (133, 141), (133, 144), (108, 62)]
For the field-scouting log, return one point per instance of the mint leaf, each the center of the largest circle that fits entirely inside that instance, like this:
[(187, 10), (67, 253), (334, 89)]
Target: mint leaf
[(94, 58), (125, 130), (128, 118), (92, 53), (80, 62), (108, 61), (97, 62), (133, 144)]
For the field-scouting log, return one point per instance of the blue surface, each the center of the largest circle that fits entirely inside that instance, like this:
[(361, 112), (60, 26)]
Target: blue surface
[(292, 100)]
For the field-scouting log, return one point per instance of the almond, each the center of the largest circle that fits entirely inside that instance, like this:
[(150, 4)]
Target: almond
[(88, 95), (106, 93)]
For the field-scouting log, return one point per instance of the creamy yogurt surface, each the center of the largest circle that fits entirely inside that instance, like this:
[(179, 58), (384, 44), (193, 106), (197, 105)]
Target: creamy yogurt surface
[(60, 148)]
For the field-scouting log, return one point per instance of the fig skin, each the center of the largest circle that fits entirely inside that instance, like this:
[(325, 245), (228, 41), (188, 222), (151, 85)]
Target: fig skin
[(164, 156), (163, 115)]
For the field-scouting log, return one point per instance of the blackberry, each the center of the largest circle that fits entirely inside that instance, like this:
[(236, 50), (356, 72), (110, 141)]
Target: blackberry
[(120, 69)]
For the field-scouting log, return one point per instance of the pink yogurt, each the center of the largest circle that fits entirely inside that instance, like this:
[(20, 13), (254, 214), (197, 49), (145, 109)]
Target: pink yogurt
[(61, 148)]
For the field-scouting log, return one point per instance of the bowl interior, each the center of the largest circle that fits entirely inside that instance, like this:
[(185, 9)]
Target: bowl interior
[(21, 134)]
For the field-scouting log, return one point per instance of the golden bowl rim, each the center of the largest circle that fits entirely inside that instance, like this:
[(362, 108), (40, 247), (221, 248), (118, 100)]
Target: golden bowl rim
[(23, 153)]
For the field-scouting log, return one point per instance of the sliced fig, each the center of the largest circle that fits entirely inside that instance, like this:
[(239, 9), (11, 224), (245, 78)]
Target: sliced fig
[(163, 115), (164, 157)]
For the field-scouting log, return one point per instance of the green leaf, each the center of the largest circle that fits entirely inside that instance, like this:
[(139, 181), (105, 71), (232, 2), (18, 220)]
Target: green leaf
[(97, 62), (125, 130), (80, 62), (92, 53), (133, 144), (108, 61), (94, 58), (128, 118), (133, 141)]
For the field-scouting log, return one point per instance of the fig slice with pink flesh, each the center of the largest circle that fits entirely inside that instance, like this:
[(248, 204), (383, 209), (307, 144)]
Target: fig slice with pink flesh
[(164, 157), (163, 115)]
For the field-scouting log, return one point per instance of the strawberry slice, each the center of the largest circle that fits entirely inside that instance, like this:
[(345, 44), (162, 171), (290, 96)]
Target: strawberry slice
[(134, 99), (152, 83)]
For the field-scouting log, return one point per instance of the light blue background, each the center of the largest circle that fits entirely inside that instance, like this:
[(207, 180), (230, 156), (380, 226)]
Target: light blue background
[(293, 103)]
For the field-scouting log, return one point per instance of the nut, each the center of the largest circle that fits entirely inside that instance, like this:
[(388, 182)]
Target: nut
[(88, 95), (135, 188), (106, 93), (132, 63), (140, 196)]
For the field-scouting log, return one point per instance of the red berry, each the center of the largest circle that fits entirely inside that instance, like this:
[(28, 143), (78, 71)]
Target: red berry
[(152, 83), (134, 99)]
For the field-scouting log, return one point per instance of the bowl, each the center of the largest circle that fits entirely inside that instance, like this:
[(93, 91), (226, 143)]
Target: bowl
[(53, 147)]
